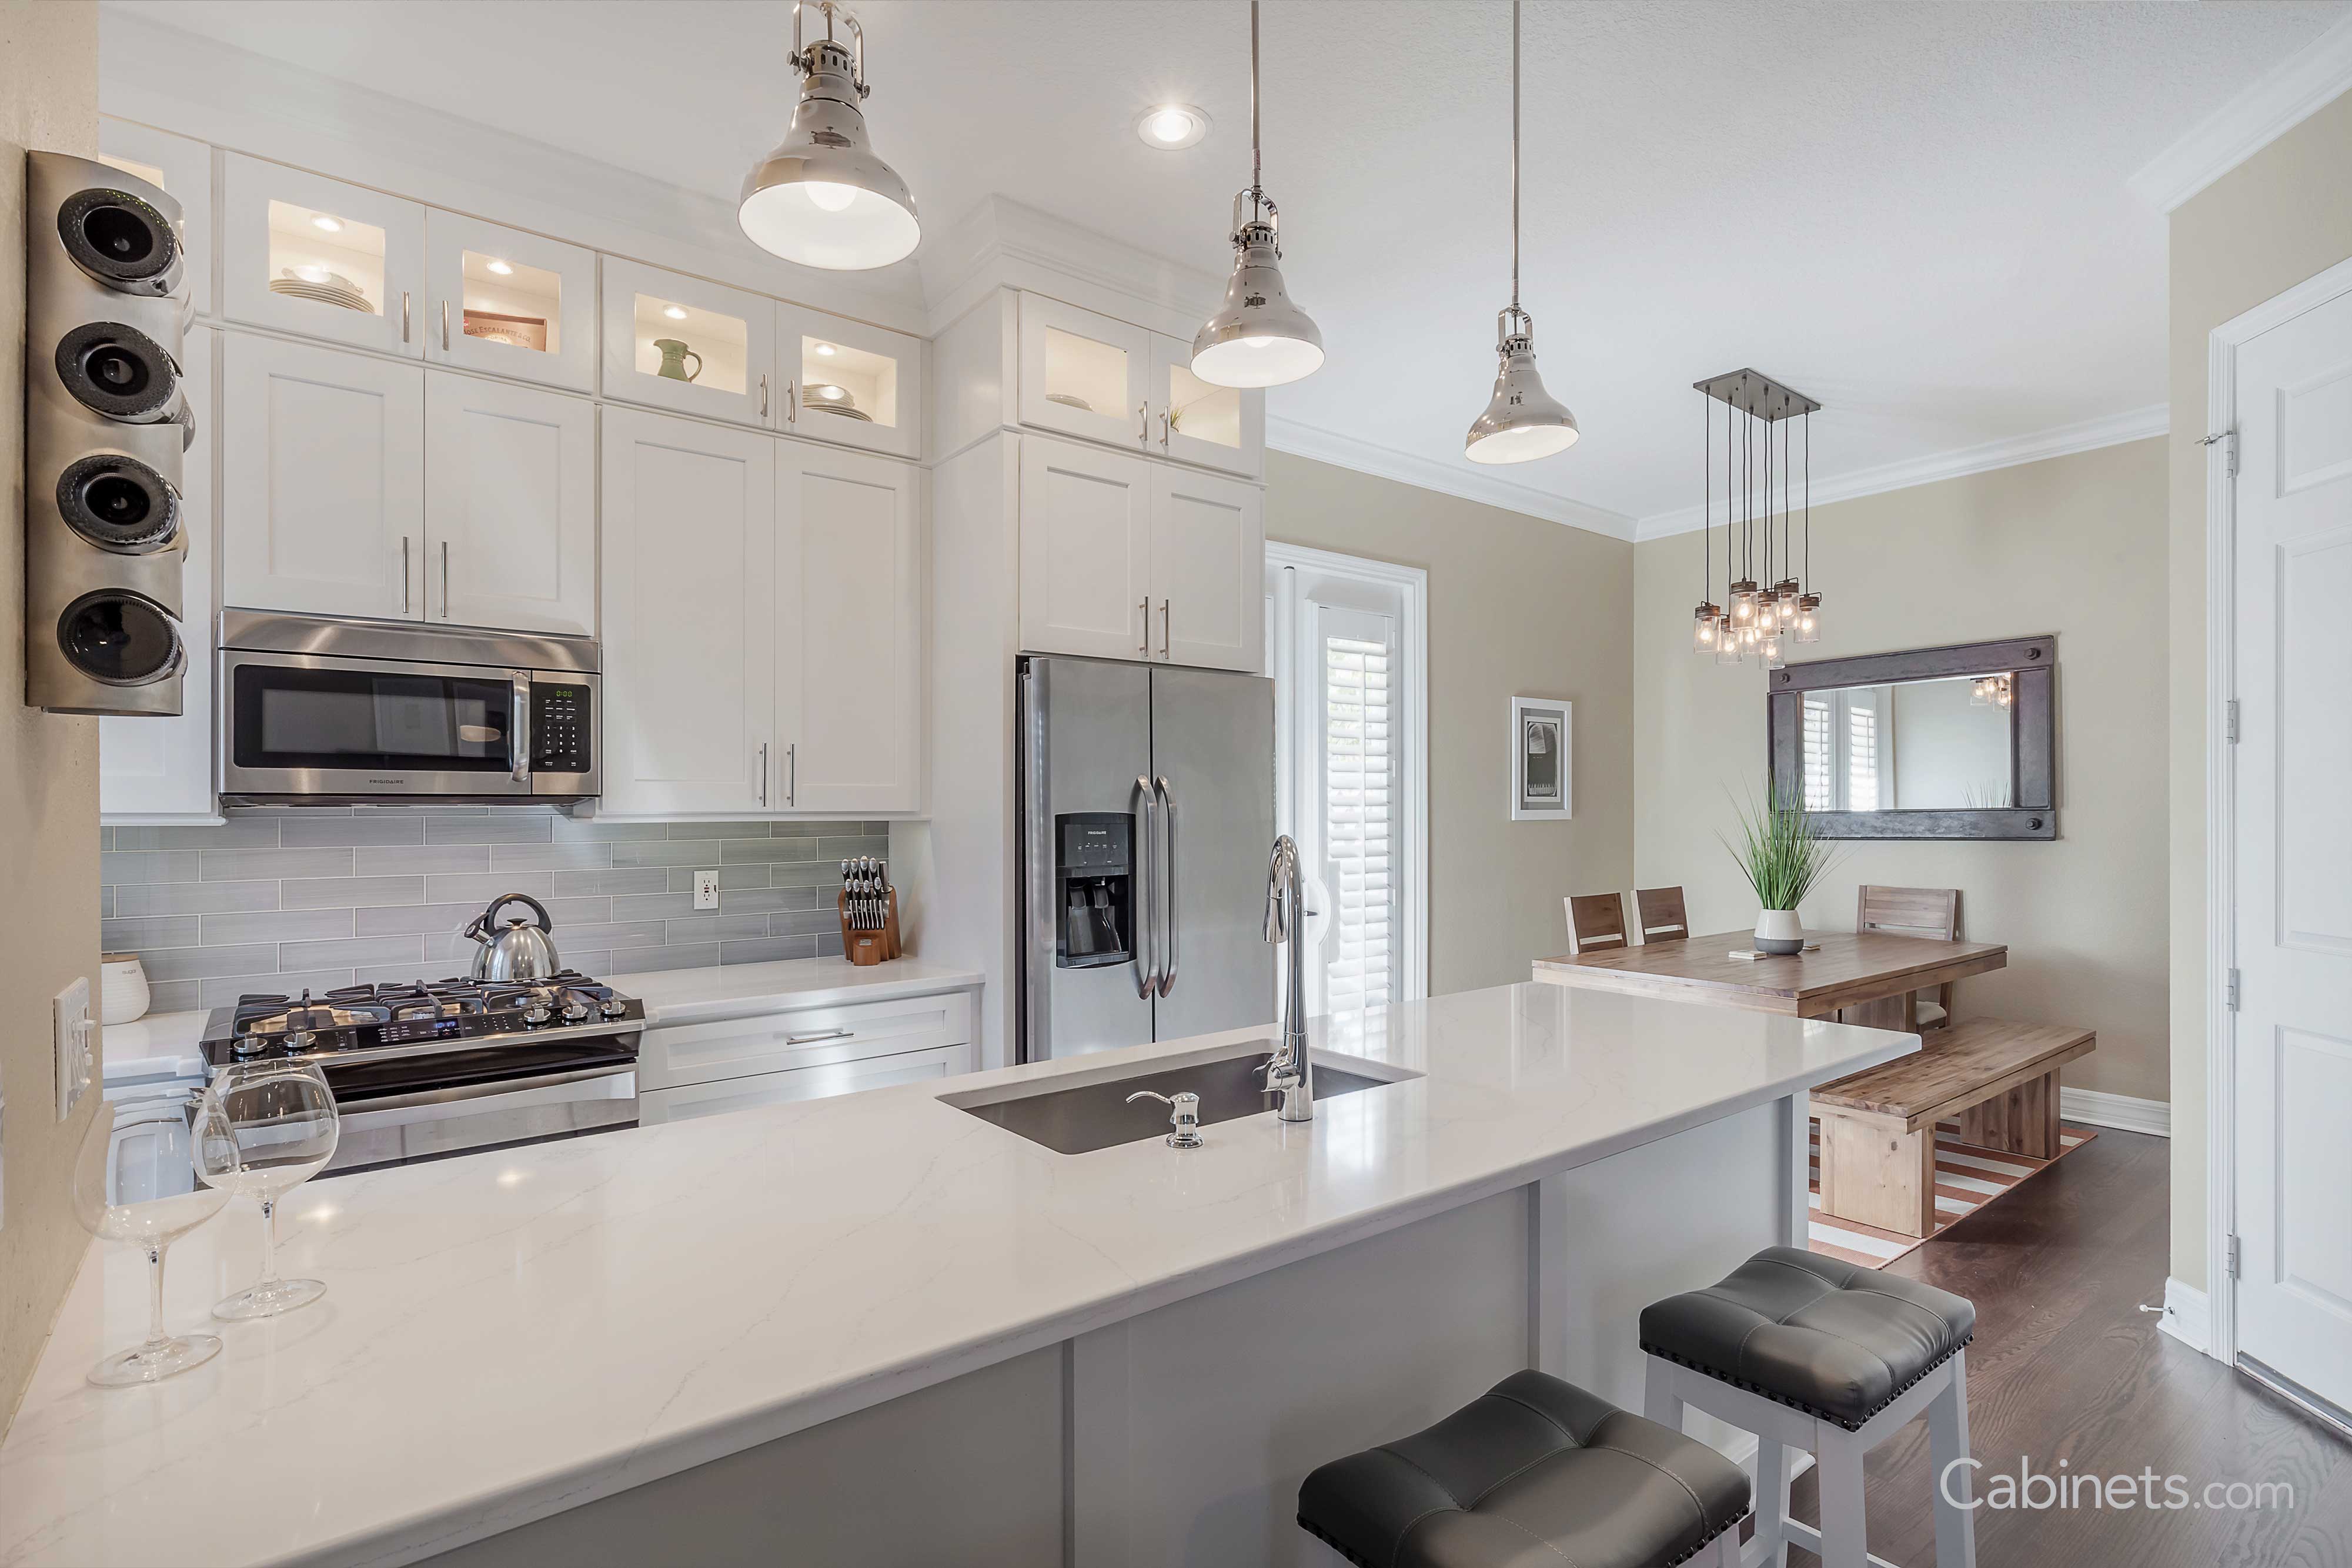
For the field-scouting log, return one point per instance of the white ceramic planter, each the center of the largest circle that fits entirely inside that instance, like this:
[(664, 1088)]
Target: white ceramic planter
[(1779, 931), (121, 988)]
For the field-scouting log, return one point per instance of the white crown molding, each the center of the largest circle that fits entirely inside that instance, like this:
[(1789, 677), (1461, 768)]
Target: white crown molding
[(2111, 429), (1469, 484), (2125, 1113), (1001, 243), (2280, 100), (199, 87)]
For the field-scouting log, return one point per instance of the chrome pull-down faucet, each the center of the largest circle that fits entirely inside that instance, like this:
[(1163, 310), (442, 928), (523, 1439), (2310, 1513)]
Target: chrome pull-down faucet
[(1289, 1070)]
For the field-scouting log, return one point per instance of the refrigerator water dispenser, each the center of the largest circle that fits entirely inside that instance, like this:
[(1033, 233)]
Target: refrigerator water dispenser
[(1094, 889)]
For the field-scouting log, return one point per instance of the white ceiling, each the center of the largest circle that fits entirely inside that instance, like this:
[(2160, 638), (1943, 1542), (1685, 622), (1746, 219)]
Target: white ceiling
[(1915, 213)]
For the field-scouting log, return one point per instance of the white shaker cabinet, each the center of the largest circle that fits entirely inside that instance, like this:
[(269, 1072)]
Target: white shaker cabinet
[(302, 253), (322, 480), (848, 383), (1085, 527), (509, 507), (1085, 375), (1208, 570), (151, 767), (849, 638), (680, 342), (689, 623), (509, 303), (1194, 421)]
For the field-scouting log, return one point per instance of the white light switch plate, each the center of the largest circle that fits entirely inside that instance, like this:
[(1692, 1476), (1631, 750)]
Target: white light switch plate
[(73, 1031), (706, 890)]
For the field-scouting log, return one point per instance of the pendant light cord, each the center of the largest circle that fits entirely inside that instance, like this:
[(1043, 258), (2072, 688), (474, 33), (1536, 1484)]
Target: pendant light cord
[(1515, 154), (1258, 178)]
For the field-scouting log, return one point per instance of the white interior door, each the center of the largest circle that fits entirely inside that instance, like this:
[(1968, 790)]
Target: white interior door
[(322, 480), (2294, 850), (509, 507)]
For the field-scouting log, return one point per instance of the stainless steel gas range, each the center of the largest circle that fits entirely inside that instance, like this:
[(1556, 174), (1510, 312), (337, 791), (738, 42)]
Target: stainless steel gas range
[(422, 1070)]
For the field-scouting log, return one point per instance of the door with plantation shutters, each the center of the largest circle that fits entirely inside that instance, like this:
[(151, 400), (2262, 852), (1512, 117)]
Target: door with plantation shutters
[(1356, 795)]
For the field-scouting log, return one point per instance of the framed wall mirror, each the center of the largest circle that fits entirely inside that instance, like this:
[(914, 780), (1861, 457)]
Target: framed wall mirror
[(1935, 743)]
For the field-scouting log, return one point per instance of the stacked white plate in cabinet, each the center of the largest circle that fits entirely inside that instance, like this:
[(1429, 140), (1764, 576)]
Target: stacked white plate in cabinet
[(332, 289)]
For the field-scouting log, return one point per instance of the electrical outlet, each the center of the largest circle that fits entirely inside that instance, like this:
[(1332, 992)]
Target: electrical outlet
[(73, 1031), (706, 890)]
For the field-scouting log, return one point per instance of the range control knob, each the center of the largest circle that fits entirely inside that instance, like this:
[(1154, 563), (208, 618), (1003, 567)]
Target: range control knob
[(575, 1008), (614, 1008), (537, 1011), (300, 1039)]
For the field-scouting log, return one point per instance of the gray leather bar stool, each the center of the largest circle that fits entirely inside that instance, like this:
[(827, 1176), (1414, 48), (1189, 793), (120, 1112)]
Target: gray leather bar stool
[(1531, 1473), (1834, 1358)]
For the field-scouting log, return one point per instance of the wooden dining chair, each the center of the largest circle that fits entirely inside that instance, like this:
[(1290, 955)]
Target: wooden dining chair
[(1915, 911), (1596, 922), (1659, 911)]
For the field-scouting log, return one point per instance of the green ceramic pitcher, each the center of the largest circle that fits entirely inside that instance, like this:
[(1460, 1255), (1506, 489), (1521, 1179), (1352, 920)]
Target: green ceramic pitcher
[(673, 356)]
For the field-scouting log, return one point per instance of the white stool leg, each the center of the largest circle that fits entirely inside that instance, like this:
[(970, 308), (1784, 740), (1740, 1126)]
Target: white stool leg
[(1844, 1540), (1725, 1552), (1948, 1443), (1659, 1401), (1775, 1469)]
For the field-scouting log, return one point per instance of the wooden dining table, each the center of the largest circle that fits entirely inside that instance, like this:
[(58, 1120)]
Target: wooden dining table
[(1865, 977)]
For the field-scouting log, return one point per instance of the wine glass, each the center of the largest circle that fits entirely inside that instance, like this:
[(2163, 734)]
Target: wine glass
[(132, 1183), (265, 1128)]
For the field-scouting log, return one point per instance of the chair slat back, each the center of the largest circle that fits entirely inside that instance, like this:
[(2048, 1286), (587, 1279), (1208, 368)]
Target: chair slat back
[(1661, 914), (1909, 911), (1596, 921)]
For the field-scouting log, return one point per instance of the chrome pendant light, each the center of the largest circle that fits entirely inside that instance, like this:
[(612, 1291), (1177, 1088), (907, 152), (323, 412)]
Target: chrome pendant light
[(822, 197), (1257, 338), (1522, 421)]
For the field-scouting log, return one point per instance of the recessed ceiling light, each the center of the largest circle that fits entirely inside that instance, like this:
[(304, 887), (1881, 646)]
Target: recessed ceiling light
[(1172, 127), (322, 221), (825, 350), (675, 312), (502, 268)]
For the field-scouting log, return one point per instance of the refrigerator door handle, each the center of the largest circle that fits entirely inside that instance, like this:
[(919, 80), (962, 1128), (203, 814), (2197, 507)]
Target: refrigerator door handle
[(1147, 964), (1168, 880)]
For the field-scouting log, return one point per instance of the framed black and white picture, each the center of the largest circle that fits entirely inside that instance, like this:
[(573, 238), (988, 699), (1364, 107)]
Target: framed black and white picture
[(1542, 780)]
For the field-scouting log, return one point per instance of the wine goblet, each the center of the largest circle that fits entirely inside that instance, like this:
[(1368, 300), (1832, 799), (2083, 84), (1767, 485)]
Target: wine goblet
[(265, 1128), (132, 1183)]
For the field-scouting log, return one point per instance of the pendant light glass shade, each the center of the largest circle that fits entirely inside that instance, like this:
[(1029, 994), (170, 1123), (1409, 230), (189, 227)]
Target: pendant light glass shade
[(822, 197), (1808, 618), (1258, 337), (1522, 421), (1705, 619)]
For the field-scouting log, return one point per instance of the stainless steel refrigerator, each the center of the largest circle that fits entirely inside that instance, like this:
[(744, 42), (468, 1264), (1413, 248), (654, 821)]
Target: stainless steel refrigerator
[(1147, 816)]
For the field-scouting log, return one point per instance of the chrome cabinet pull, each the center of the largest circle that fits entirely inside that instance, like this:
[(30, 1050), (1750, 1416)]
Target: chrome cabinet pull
[(1143, 608), (404, 315), (792, 773), (444, 579), (1163, 628), (404, 574), (1143, 423), (1165, 423), (1147, 963), (764, 394), (763, 776), (1168, 878), (445, 326), (812, 1039), (518, 748), (792, 403)]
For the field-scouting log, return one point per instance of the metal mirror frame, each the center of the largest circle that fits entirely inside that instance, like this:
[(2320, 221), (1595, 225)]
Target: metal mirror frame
[(2032, 661)]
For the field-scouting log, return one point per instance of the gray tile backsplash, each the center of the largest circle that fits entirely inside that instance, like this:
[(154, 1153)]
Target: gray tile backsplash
[(279, 900)]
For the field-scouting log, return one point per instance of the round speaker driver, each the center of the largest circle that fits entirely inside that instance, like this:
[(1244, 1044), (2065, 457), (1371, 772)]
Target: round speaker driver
[(118, 639), (119, 504), (121, 240), (119, 371)]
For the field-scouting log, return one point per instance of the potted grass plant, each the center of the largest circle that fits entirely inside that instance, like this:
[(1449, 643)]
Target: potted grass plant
[(1782, 855)]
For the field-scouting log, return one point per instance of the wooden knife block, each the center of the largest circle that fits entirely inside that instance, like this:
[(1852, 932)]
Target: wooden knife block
[(865, 947)]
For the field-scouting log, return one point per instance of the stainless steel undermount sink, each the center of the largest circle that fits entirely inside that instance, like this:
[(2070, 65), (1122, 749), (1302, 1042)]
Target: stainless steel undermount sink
[(1096, 1116)]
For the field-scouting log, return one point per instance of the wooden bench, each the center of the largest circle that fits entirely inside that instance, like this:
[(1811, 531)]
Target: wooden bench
[(1878, 1127)]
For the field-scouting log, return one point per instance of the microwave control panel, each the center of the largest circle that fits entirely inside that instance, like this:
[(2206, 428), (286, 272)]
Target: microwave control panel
[(561, 725)]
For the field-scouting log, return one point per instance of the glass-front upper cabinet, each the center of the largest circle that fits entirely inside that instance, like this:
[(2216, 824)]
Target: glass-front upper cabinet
[(1087, 375), (305, 254), (509, 303), (184, 168), (680, 342), (849, 383), (1199, 422)]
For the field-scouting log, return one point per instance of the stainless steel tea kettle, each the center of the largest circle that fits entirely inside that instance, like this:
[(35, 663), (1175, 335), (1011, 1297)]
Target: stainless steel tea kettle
[(520, 952)]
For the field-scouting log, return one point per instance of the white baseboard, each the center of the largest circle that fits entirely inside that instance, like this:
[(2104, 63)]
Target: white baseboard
[(2122, 1112), (2184, 1315)]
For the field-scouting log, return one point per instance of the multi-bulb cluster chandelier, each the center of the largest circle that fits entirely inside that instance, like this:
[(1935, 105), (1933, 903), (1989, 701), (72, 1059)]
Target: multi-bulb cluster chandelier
[(1760, 615)]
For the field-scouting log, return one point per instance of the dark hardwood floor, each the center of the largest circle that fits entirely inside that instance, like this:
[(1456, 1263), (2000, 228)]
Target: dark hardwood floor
[(2066, 1368)]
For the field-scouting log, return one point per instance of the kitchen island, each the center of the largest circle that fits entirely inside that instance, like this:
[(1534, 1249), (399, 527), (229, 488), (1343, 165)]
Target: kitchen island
[(881, 1329)]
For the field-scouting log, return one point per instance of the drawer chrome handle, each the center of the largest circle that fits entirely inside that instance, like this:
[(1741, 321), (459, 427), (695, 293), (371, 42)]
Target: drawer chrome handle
[(812, 1039)]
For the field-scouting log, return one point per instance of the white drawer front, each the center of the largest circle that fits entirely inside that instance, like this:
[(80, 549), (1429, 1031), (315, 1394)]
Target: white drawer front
[(670, 1057), (718, 1097)]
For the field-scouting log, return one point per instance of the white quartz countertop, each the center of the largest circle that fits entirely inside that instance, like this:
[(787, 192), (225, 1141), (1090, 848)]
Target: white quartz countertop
[(746, 990), (518, 1332), (161, 1045)]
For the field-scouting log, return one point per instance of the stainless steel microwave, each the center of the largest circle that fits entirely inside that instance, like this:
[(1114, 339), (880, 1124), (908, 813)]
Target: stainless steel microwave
[(323, 709)]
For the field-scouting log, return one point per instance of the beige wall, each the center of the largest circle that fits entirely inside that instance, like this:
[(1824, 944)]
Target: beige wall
[(2274, 221), (2073, 546), (48, 766), (1517, 606)]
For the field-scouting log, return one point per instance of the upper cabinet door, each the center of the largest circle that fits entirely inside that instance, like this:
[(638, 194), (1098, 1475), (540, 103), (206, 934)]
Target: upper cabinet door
[(305, 254), (1197, 421), (509, 507), (849, 383), (849, 644), (163, 767), (322, 480), (1208, 570), (689, 564), (1085, 374), (184, 168), (1085, 523), (509, 303), (679, 342)]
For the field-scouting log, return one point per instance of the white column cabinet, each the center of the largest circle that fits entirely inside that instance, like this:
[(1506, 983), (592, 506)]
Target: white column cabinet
[(1208, 570), (509, 507), (849, 636), (509, 303), (151, 768), (302, 253), (689, 616), (322, 480), (1085, 579)]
